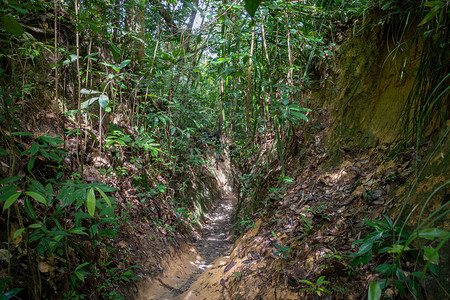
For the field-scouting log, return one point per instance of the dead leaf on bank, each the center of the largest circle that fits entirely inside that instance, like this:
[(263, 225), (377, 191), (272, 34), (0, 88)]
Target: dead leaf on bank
[(16, 233), (44, 267), (122, 244), (227, 268)]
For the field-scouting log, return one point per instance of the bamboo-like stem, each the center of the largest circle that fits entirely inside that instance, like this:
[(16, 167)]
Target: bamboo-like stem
[(79, 152), (263, 31), (249, 79), (291, 60), (56, 60)]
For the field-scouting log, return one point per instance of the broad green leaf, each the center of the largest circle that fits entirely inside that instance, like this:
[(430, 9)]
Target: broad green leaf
[(54, 156), (34, 149), (11, 200), (418, 274), (306, 282), (373, 237), (86, 103), (397, 248), (71, 59), (52, 140), (90, 202), (434, 268), (297, 108), (37, 197), (79, 275), (10, 179), (431, 254), (18, 232), (299, 115), (115, 51), (384, 250), (104, 196), (372, 224), (374, 291), (399, 272), (108, 65), (358, 242), (321, 280), (30, 164), (103, 100), (79, 230), (383, 268), (388, 220), (221, 60), (125, 63), (91, 55), (36, 186), (366, 247), (12, 26), (384, 283), (251, 6), (432, 233), (11, 293), (22, 133), (29, 208), (82, 266), (430, 16)]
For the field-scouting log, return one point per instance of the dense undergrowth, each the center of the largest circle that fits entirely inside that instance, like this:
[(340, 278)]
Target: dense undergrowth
[(109, 112)]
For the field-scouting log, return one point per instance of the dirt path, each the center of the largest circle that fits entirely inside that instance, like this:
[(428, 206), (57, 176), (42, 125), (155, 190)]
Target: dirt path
[(187, 265)]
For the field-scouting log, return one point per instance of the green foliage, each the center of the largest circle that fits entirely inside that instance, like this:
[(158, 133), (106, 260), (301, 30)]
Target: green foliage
[(166, 91), (308, 223), (236, 275), (316, 287), (7, 294), (282, 251), (118, 139), (45, 145), (115, 276), (251, 6), (395, 243)]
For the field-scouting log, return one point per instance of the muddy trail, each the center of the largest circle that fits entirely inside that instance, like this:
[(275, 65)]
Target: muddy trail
[(184, 267)]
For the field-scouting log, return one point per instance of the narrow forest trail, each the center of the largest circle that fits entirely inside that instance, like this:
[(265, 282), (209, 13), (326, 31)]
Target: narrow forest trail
[(183, 268)]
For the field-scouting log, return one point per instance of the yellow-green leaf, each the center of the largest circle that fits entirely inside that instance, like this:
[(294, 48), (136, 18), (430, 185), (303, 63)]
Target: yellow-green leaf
[(103, 195), (90, 202), (11, 200), (374, 291), (37, 197), (18, 232)]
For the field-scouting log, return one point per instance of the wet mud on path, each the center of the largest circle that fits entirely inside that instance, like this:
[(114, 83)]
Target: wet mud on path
[(185, 267)]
